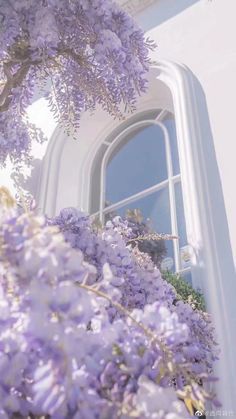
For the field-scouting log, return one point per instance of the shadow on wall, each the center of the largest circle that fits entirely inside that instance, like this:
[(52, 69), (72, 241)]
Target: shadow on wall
[(161, 11), (29, 182), (215, 204), (220, 286)]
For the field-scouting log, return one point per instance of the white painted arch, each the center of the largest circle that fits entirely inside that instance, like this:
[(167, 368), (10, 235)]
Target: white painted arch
[(65, 181)]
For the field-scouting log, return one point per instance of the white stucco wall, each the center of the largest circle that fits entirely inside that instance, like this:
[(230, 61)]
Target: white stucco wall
[(201, 34)]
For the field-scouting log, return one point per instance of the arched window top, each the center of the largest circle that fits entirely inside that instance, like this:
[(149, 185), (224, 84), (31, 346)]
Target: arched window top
[(139, 141), (145, 154)]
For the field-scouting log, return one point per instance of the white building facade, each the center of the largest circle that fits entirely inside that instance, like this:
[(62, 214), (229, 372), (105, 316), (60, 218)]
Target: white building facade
[(194, 83)]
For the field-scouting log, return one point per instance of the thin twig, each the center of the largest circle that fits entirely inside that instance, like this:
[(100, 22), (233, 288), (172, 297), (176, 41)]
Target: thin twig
[(154, 237)]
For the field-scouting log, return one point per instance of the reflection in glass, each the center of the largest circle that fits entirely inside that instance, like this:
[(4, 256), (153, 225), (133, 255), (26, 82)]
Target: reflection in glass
[(187, 276), (96, 183), (137, 164), (180, 215), (156, 208), (185, 256), (169, 122)]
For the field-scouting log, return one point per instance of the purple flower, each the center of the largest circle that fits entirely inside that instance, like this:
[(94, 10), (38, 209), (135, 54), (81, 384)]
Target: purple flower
[(88, 330), (89, 52)]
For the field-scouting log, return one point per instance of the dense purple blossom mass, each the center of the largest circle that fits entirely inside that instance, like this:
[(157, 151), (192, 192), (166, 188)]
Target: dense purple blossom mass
[(88, 327), (90, 52)]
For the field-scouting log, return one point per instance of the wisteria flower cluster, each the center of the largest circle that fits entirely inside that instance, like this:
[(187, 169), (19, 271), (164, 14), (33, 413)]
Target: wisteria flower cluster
[(89, 329), (77, 53), (144, 235)]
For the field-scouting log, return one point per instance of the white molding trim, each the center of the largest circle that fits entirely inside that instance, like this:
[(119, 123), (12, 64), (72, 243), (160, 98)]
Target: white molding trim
[(134, 6), (209, 270), (47, 190)]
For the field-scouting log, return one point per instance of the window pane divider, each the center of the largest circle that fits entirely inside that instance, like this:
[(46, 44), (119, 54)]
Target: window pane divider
[(183, 270), (161, 115), (173, 215), (176, 179), (141, 194), (137, 196)]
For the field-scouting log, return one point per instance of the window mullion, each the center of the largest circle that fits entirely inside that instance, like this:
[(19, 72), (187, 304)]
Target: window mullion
[(184, 270), (174, 226), (173, 215), (102, 191), (161, 115), (176, 179)]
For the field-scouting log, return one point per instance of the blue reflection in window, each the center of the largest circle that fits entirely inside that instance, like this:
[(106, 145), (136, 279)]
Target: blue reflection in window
[(187, 276), (137, 164), (169, 123), (180, 215), (156, 208)]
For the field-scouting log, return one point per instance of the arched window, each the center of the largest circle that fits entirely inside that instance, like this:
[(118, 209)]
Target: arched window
[(138, 169)]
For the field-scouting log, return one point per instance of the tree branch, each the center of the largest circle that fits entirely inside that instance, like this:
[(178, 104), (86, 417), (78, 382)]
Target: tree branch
[(13, 80)]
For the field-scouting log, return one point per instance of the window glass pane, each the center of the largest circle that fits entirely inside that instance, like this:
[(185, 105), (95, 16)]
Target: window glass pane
[(180, 215), (136, 164), (156, 208), (150, 114), (187, 276), (169, 122)]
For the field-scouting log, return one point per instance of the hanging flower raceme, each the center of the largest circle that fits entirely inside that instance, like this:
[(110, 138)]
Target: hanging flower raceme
[(88, 327), (88, 51)]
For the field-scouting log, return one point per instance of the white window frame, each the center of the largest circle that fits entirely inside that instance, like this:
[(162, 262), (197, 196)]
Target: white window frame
[(170, 182)]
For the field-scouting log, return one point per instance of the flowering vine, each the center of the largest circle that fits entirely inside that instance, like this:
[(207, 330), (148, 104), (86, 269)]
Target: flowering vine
[(77, 53), (89, 329)]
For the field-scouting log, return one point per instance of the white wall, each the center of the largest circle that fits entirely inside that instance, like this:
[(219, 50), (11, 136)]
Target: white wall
[(202, 35)]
